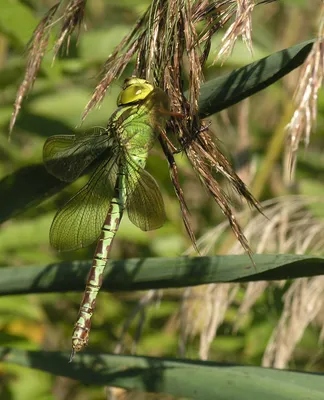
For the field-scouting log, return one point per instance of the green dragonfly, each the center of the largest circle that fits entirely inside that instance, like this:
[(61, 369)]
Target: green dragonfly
[(118, 181)]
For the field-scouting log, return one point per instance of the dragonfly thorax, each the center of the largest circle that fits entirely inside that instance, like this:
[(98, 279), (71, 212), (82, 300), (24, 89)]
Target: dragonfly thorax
[(134, 129)]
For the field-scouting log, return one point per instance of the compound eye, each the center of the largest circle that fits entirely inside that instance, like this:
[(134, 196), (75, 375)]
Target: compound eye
[(134, 90), (127, 82)]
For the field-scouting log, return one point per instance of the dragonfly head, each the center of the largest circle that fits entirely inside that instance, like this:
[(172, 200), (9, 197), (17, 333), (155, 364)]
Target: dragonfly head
[(134, 90)]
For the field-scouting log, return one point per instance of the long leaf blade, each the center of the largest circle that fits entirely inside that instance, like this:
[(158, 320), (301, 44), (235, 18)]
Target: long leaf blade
[(208, 380), (227, 90), (158, 273), (34, 182)]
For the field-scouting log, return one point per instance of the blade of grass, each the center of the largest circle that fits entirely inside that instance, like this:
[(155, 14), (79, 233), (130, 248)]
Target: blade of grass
[(208, 380), (157, 273), (227, 90), (34, 182)]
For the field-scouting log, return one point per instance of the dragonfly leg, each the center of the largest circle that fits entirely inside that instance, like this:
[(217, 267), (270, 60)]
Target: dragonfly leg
[(186, 142), (165, 137), (165, 112)]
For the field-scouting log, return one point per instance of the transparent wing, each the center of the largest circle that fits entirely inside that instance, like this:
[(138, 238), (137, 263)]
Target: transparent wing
[(67, 156), (144, 203), (79, 222)]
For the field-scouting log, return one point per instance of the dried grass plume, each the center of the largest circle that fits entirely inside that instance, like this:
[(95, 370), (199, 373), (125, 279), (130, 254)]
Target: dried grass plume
[(311, 77)]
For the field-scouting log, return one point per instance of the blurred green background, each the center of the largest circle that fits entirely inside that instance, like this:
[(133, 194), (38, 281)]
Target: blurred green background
[(55, 106)]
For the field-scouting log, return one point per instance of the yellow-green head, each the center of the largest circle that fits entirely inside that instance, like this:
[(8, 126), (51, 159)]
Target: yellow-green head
[(134, 90)]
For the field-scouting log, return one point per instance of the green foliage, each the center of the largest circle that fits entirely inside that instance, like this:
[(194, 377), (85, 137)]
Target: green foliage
[(198, 380), (14, 14), (160, 273)]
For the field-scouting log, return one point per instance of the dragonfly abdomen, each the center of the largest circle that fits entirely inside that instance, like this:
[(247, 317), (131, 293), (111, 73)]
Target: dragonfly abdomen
[(80, 336)]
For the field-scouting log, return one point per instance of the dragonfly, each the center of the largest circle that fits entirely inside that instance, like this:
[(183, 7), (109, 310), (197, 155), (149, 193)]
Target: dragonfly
[(119, 181)]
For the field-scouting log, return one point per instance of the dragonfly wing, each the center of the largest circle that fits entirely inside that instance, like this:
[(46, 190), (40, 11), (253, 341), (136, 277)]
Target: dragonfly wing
[(79, 222), (67, 156), (144, 203)]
